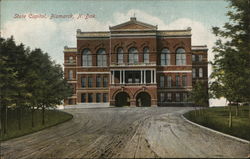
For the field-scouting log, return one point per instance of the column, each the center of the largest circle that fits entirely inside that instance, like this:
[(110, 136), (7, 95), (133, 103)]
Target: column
[(144, 81), (151, 71), (141, 76), (155, 76), (123, 77), (110, 77), (120, 76), (113, 74)]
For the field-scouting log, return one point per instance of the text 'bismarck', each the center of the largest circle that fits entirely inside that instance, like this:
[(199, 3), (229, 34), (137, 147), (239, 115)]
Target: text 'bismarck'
[(54, 16)]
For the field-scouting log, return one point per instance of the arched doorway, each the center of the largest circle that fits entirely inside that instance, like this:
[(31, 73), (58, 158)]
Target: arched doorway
[(143, 99), (122, 99)]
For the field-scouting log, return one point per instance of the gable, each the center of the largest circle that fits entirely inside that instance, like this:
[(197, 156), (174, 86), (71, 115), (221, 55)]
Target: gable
[(133, 24)]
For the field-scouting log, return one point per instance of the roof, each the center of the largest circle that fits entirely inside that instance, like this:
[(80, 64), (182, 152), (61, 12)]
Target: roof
[(174, 32), (133, 24), (134, 27), (199, 47), (69, 49), (96, 34)]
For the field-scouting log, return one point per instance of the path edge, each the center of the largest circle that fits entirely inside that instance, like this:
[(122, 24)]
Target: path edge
[(215, 131)]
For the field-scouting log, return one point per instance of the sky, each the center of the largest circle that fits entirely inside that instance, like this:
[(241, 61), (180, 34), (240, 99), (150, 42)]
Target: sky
[(39, 30)]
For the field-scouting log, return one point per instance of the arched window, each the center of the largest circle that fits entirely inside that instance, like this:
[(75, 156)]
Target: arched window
[(86, 58), (101, 58), (180, 56), (146, 55), (165, 57), (120, 55), (133, 56)]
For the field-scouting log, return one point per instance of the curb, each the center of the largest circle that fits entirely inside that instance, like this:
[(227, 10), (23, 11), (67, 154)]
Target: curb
[(226, 135)]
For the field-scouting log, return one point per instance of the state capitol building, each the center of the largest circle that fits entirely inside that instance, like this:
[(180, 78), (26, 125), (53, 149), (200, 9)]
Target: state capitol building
[(134, 64)]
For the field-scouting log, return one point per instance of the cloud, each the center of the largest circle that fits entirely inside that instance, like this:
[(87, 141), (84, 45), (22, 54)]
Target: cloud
[(51, 35)]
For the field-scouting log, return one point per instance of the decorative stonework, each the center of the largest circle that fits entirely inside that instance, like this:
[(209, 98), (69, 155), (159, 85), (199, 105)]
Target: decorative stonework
[(174, 33), (67, 49), (133, 24)]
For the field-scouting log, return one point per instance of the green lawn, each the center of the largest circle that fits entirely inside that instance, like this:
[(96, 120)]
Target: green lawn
[(217, 118), (52, 117)]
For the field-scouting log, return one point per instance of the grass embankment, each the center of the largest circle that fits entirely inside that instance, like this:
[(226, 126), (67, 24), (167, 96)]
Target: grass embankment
[(217, 118), (52, 117)]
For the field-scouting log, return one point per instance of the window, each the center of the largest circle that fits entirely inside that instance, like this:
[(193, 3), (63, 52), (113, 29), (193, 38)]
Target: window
[(169, 97), (194, 72), (165, 57), (200, 72), (70, 74), (162, 97), (83, 98), (169, 81), (133, 56), (177, 79), (71, 59), (162, 81), (184, 95), (120, 55), (101, 58), (90, 82), (98, 81), (200, 58), (146, 55), (184, 81), (90, 97), (180, 57), (86, 58), (193, 58), (137, 77), (105, 81), (70, 101), (83, 80), (177, 97), (105, 97), (98, 97)]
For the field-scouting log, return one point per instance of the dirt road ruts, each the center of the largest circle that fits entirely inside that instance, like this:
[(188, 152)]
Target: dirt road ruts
[(124, 133)]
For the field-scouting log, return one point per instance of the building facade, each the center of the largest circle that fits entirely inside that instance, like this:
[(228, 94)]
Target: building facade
[(134, 64)]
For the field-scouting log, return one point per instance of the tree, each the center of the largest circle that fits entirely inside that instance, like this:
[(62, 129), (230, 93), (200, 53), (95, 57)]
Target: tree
[(7, 82), (199, 94), (48, 86), (231, 66), (11, 59), (28, 79)]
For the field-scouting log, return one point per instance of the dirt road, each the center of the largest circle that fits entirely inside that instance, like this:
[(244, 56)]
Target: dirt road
[(124, 133)]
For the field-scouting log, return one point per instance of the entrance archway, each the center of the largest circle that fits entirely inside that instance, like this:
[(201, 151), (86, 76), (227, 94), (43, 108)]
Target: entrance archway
[(143, 99), (122, 99)]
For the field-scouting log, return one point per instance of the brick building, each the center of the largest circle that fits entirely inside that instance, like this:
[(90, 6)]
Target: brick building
[(134, 64)]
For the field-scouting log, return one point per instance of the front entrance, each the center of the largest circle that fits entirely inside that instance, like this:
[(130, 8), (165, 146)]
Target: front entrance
[(122, 99), (143, 99)]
